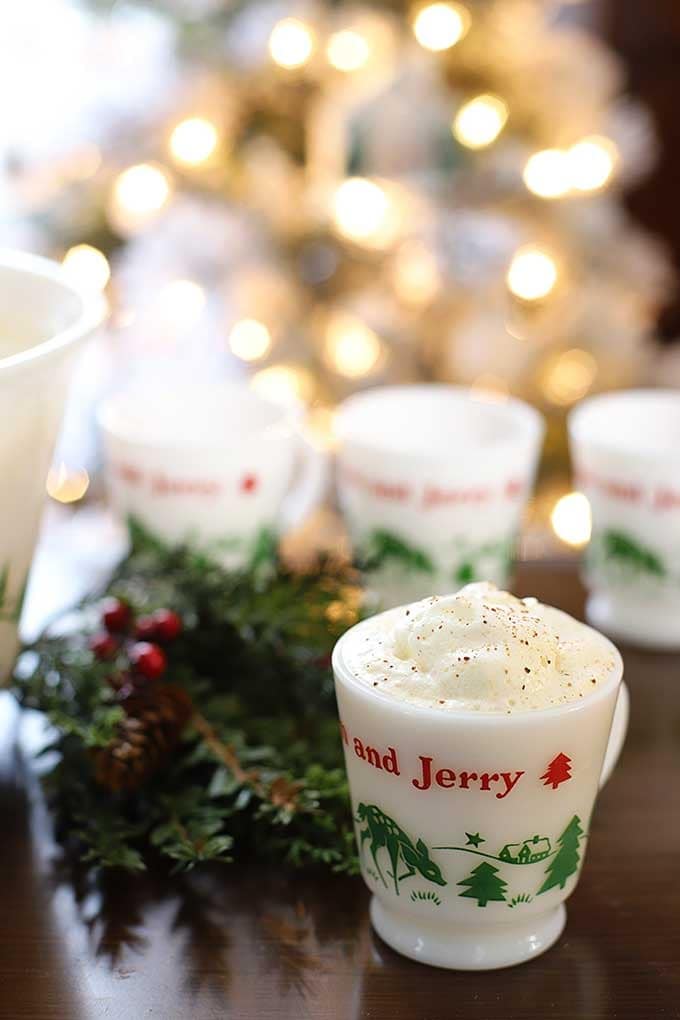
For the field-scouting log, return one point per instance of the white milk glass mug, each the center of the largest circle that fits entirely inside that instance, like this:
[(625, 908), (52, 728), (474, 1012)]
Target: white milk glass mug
[(626, 452), (214, 464), (44, 319), (471, 827), (432, 482)]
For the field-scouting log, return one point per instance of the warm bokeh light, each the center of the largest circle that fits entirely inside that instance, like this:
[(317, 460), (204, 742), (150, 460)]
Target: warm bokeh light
[(180, 303), (139, 194), (348, 50), (193, 141), (591, 163), (571, 519), (291, 43), (479, 122), (547, 174), (87, 266), (321, 424), (284, 383), (65, 485), (440, 26), (490, 387), (352, 348), (568, 376), (532, 274), (415, 274), (363, 212), (250, 340)]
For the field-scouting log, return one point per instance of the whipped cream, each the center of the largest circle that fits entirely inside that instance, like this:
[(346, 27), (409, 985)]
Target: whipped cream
[(480, 650)]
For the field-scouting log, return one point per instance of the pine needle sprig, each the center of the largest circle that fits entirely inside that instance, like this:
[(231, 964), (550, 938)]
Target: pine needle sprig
[(258, 770)]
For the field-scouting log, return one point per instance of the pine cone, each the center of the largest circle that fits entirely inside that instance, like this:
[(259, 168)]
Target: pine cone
[(153, 724)]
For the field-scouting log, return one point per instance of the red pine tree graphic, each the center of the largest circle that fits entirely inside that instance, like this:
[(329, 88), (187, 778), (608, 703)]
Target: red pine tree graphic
[(558, 771)]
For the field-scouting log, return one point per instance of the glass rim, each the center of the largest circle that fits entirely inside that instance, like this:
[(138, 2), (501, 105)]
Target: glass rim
[(92, 308)]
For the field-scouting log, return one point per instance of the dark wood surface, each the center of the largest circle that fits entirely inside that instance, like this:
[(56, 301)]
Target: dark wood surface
[(242, 945)]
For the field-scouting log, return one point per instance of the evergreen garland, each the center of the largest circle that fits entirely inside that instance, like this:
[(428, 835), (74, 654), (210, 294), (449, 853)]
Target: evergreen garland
[(252, 764)]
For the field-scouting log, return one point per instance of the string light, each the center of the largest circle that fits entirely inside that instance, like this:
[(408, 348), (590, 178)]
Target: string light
[(591, 163), (363, 212), (348, 51), (440, 26), (352, 348), (250, 340), (479, 122), (139, 194), (284, 383), (547, 174), (291, 43), (532, 274), (568, 376), (193, 141), (87, 266), (571, 519), (415, 275), (67, 486)]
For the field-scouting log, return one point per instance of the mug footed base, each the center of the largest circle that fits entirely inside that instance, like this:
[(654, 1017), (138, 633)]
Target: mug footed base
[(459, 948), (646, 626)]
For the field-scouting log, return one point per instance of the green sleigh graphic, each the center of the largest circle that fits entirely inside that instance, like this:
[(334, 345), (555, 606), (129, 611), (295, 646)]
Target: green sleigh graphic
[(486, 882)]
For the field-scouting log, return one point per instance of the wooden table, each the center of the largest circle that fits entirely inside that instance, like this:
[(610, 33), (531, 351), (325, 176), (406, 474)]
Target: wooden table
[(242, 945)]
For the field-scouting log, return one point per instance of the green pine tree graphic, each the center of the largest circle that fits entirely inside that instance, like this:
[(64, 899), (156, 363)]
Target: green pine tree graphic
[(484, 885), (566, 860)]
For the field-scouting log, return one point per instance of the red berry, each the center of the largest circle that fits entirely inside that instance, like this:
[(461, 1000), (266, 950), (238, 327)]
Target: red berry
[(103, 646), (168, 624), (148, 659), (146, 629), (116, 615)]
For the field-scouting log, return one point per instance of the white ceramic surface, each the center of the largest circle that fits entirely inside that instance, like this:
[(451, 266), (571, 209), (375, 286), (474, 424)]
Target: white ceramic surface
[(212, 463), (626, 452), (43, 320), (433, 480), (472, 826)]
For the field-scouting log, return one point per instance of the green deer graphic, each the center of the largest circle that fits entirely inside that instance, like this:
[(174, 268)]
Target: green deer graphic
[(383, 832), (384, 546), (618, 546)]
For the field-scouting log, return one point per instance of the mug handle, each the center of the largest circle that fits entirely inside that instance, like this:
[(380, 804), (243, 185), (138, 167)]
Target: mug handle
[(617, 734), (308, 484)]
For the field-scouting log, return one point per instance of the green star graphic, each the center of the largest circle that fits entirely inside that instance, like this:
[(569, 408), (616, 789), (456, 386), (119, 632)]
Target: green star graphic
[(474, 839)]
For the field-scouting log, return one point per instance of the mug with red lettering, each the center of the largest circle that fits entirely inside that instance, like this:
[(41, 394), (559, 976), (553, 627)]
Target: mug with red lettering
[(472, 826), (432, 482), (626, 452), (214, 464)]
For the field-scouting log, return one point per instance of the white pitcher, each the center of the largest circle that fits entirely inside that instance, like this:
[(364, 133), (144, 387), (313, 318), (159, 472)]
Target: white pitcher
[(43, 319)]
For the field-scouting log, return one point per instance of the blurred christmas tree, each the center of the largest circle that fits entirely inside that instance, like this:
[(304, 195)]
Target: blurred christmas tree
[(337, 195)]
